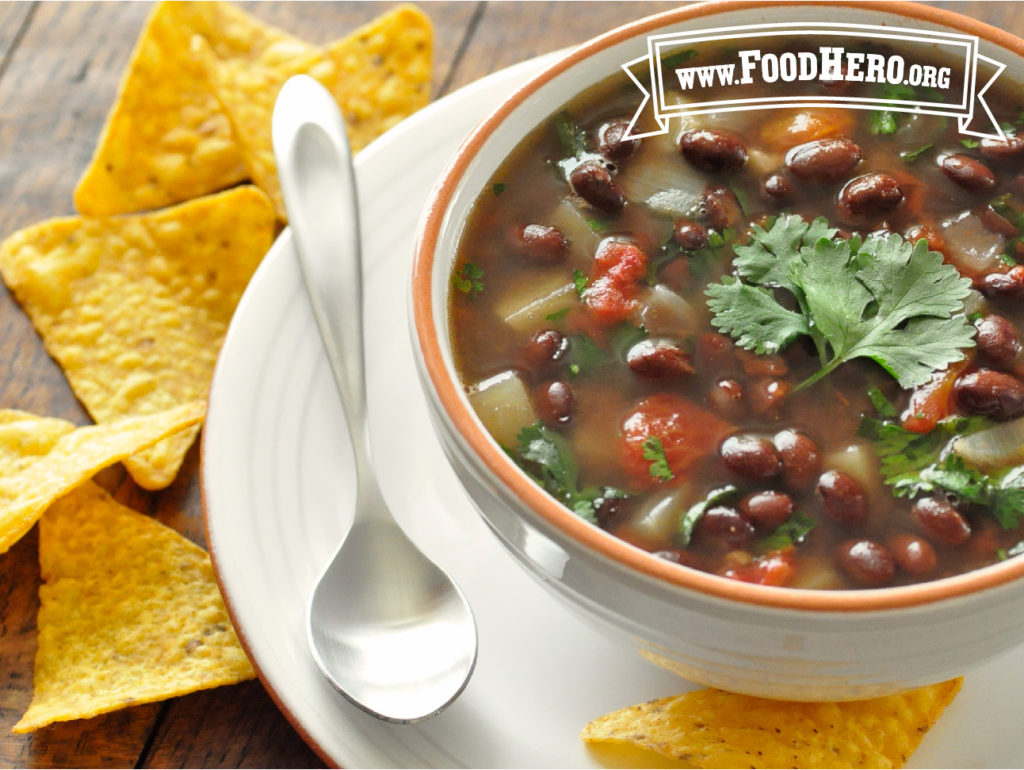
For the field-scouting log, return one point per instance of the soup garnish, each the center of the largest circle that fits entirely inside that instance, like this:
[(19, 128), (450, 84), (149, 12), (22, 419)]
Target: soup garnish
[(779, 346)]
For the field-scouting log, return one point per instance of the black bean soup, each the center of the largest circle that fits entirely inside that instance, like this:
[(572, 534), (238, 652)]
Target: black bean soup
[(781, 346)]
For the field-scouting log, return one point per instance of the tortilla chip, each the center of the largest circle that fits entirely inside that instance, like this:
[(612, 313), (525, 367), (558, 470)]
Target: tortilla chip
[(130, 613), (166, 139), (134, 309), (42, 458), (714, 728), (380, 74)]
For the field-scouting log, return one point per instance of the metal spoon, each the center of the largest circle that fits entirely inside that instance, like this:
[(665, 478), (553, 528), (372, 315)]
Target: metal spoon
[(386, 626)]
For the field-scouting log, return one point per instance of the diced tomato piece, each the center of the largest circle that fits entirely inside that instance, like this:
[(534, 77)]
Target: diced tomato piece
[(933, 401), (619, 266), (687, 433), (775, 568)]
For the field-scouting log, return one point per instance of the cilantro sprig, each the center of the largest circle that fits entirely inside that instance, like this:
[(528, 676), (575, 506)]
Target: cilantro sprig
[(546, 456), (879, 298), (1002, 496), (916, 464)]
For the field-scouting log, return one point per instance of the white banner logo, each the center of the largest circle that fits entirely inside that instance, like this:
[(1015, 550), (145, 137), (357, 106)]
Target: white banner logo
[(829, 54)]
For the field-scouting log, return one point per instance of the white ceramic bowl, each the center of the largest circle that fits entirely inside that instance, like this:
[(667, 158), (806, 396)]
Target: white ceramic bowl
[(775, 642)]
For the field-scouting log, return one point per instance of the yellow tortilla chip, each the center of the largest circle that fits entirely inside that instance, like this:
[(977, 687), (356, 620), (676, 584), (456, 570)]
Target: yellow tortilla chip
[(166, 139), (380, 74), (42, 458), (130, 613), (714, 728), (134, 309)]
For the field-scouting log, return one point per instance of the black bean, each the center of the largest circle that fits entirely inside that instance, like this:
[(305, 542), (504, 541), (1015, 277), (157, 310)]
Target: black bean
[(658, 359), (593, 183), (555, 402), (997, 339), (723, 527), (969, 173), (844, 497), (720, 207), (767, 509), (1008, 284), (544, 348), (607, 509), (1010, 148), (777, 186), (726, 398), (801, 460), (914, 555), (870, 194), (996, 222), (689, 234), (991, 393), (611, 142), (823, 160), (941, 521), (541, 243), (767, 395), (866, 562), (711, 150), (751, 457)]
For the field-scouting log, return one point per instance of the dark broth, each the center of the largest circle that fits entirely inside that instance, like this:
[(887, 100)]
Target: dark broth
[(593, 381)]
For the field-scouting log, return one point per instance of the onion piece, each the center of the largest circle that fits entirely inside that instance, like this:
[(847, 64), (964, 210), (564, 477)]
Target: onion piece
[(503, 405), (662, 311), (659, 516), (996, 447), (970, 245), (657, 176)]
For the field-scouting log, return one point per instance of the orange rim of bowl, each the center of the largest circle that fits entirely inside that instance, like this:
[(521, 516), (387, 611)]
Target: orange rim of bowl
[(451, 396)]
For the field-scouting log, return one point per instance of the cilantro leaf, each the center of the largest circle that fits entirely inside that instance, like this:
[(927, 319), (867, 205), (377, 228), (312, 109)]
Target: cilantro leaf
[(883, 122), (792, 531), (550, 455), (684, 533), (767, 258), (654, 452), (891, 302), (467, 279), (546, 456), (572, 137), (498, 188), (579, 280), (880, 298), (584, 355), (752, 316), (882, 405), (887, 121)]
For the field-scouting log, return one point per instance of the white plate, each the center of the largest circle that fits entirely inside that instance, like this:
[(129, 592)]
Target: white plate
[(276, 472)]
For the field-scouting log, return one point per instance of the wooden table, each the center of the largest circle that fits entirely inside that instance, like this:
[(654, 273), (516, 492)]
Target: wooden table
[(60, 64)]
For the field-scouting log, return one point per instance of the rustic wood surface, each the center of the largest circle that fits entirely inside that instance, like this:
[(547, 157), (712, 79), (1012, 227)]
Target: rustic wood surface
[(60, 64)]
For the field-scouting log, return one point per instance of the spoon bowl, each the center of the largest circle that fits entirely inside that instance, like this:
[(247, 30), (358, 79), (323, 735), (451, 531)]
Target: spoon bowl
[(387, 627)]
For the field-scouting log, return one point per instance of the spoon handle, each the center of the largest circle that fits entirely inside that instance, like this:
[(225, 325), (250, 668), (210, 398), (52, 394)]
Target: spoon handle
[(311, 145)]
